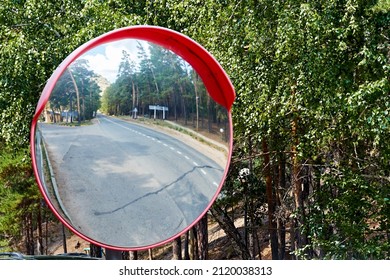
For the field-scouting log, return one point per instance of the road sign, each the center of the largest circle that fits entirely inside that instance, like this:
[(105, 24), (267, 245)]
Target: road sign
[(158, 108)]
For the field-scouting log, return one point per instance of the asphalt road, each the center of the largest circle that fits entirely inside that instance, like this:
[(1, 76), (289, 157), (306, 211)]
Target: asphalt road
[(126, 185)]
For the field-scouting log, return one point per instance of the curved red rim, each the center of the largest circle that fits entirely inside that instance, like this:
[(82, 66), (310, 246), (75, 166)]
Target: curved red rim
[(214, 78)]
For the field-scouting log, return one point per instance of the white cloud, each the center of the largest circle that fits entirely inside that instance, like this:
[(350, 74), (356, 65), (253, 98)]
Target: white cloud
[(105, 59)]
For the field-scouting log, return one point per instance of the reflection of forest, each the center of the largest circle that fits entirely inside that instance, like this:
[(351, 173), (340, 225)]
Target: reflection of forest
[(217, 131), (161, 85), (157, 85), (76, 95)]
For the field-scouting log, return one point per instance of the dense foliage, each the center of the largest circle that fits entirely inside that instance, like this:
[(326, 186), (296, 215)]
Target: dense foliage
[(76, 94), (21, 211), (311, 153), (161, 78)]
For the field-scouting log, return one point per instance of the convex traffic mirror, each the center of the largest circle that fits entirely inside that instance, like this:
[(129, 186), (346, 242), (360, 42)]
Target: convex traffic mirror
[(132, 137)]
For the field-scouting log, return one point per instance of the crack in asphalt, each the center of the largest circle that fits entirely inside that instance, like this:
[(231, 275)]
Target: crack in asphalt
[(98, 213)]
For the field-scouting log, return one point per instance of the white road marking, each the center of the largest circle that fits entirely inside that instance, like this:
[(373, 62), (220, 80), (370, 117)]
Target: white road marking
[(166, 145)]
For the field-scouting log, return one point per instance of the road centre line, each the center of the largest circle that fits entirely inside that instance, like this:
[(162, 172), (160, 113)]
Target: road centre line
[(166, 145), (118, 124)]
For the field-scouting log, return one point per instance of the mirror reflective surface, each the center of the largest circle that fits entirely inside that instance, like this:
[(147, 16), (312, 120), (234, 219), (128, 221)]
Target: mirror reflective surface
[(130, 148)]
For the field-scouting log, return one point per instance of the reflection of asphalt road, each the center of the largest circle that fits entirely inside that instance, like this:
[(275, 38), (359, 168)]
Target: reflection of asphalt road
[(127, 185)]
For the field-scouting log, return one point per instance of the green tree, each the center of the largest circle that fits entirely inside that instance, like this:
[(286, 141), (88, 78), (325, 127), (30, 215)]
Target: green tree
[(311, 118), (76, 91), (21, 207), (311, 111), (35, 36)]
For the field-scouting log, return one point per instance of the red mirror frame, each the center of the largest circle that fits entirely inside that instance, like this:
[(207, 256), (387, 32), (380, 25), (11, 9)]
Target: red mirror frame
[(212, 74)]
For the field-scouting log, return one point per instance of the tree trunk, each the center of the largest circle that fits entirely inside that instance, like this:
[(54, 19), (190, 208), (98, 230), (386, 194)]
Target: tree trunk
[(134, 97), (229, 228), (95, 251), (299, 238), (187, 246), (251, 240), (77, 95), (271, 202), (41, 249), (281, 224), (125, 255), (194, 243), (29, 235), (64, 239), (46, 232), (203, 240), (176, 249), (253, 245), (133, 255), (195, 82)]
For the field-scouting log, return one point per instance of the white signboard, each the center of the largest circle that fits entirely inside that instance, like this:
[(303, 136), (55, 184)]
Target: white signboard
[(158, 108)]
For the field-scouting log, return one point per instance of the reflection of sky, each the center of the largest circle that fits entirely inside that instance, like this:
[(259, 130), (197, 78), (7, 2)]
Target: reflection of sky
[(104, 60)]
